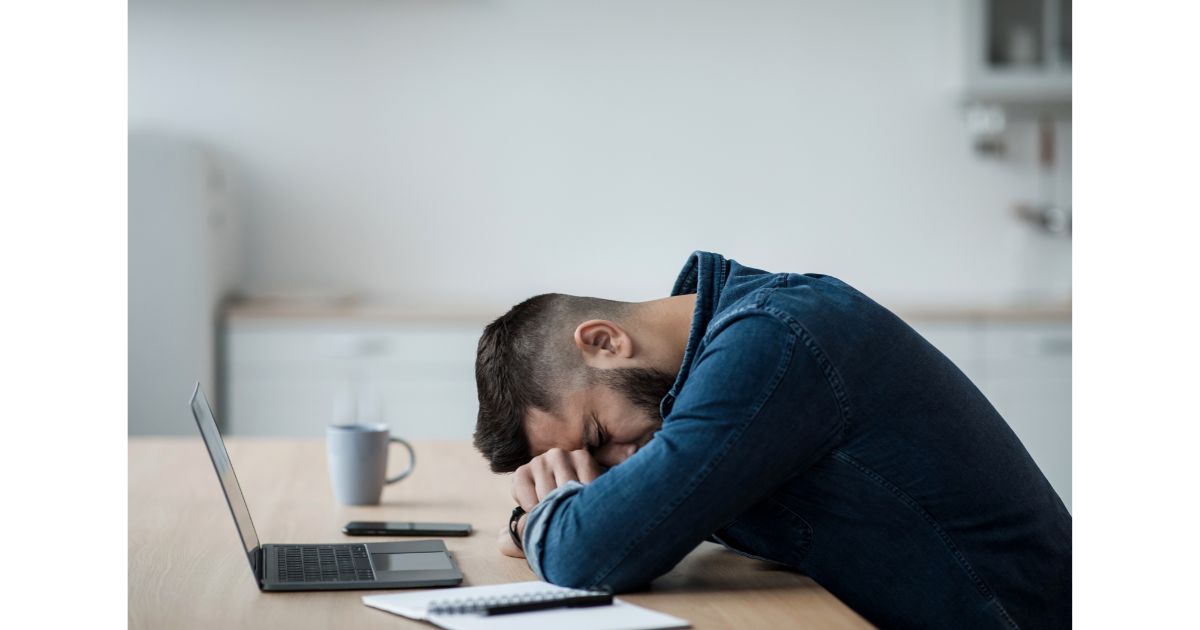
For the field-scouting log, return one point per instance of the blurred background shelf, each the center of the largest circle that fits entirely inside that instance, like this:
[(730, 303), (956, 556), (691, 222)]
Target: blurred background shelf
[(1019, 55)]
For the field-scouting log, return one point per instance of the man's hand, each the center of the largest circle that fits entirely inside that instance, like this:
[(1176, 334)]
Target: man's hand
[(533, 481), (507, 546), (554, 468)]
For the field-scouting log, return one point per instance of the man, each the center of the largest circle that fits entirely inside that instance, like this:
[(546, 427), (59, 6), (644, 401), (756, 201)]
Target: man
[(787, 417)]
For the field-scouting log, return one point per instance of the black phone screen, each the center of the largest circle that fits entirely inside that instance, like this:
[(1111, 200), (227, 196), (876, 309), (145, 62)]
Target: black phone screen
[(394, 528)]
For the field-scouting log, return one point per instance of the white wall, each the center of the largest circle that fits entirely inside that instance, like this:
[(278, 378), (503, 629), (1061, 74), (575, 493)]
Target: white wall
[(468, 154)]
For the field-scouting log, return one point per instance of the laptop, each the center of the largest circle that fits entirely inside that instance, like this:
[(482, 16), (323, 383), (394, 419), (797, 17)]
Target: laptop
[(322, 567)]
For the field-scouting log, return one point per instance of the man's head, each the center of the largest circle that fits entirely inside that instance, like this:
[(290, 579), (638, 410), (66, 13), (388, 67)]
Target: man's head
[(567, 372)]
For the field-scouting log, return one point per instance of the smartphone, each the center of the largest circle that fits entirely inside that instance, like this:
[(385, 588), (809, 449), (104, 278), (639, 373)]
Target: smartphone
[(380, 528)]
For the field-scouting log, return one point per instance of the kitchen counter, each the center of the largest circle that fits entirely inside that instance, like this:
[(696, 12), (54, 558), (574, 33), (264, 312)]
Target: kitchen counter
[(361, 309)]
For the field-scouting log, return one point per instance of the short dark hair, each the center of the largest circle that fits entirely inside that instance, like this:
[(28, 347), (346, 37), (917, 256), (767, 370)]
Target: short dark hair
[(525, 359)]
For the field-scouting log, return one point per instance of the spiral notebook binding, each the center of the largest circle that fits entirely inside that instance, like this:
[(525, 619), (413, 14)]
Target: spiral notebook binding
[(524, 601)]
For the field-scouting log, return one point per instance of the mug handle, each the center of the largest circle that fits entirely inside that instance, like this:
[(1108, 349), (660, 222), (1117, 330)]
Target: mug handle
[(412, 460)]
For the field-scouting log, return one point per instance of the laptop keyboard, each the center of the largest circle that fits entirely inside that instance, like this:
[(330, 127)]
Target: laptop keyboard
[(323, 563)]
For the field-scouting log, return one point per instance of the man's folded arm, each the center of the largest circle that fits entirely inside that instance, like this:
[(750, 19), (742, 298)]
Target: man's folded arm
[(758, 408)]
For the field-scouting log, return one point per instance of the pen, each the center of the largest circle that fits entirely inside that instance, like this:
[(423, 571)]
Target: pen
[(523, 603)]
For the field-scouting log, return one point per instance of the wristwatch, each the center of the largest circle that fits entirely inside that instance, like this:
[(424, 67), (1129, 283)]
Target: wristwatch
[(517, 513)]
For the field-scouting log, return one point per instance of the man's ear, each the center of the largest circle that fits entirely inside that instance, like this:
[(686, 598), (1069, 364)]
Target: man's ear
[(600, 341)]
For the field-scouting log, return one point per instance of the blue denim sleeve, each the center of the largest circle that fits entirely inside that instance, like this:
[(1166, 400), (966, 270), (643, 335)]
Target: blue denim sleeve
[(758, 408), (535, 523)]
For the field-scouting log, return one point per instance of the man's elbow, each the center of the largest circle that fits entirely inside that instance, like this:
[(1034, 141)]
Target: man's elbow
[(592, 571)]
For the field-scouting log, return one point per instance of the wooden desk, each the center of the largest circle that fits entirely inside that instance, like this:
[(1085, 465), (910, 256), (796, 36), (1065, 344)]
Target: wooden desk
[(187, 569)]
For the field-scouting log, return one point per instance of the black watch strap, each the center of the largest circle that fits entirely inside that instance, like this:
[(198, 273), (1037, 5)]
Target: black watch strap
[(517, 513)]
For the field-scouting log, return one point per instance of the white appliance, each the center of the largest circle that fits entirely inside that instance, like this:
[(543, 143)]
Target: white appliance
[(181, 265)]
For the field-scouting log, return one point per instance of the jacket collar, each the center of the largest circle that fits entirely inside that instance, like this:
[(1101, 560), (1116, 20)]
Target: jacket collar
[(704, 274)]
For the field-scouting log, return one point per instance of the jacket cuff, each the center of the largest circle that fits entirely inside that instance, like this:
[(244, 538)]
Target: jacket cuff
[(538, 521)]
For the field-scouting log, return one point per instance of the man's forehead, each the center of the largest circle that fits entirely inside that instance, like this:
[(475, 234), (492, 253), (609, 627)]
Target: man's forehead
[(547, 430)]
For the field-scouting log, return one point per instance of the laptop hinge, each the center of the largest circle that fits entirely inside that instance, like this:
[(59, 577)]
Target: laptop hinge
[(260, 566)]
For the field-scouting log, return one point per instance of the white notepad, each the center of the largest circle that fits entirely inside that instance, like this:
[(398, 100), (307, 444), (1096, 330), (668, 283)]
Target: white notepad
[(620, 615)]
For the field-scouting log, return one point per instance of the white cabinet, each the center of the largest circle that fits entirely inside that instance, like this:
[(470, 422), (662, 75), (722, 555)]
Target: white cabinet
[(286, 376), (1024, 369)]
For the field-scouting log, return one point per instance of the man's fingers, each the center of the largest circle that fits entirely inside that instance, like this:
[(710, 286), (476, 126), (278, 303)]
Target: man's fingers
[(585, 466), (543, 480), (524, 491), (550, 470), (563, 467)]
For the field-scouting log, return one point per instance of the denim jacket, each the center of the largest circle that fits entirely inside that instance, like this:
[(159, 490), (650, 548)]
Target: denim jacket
[(809, 426)]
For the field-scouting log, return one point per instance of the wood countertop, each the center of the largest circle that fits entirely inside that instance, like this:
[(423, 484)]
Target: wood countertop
[(187, 568), (360, 310)]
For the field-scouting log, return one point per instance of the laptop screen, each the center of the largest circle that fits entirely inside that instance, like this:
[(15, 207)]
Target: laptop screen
[(224, 468)]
